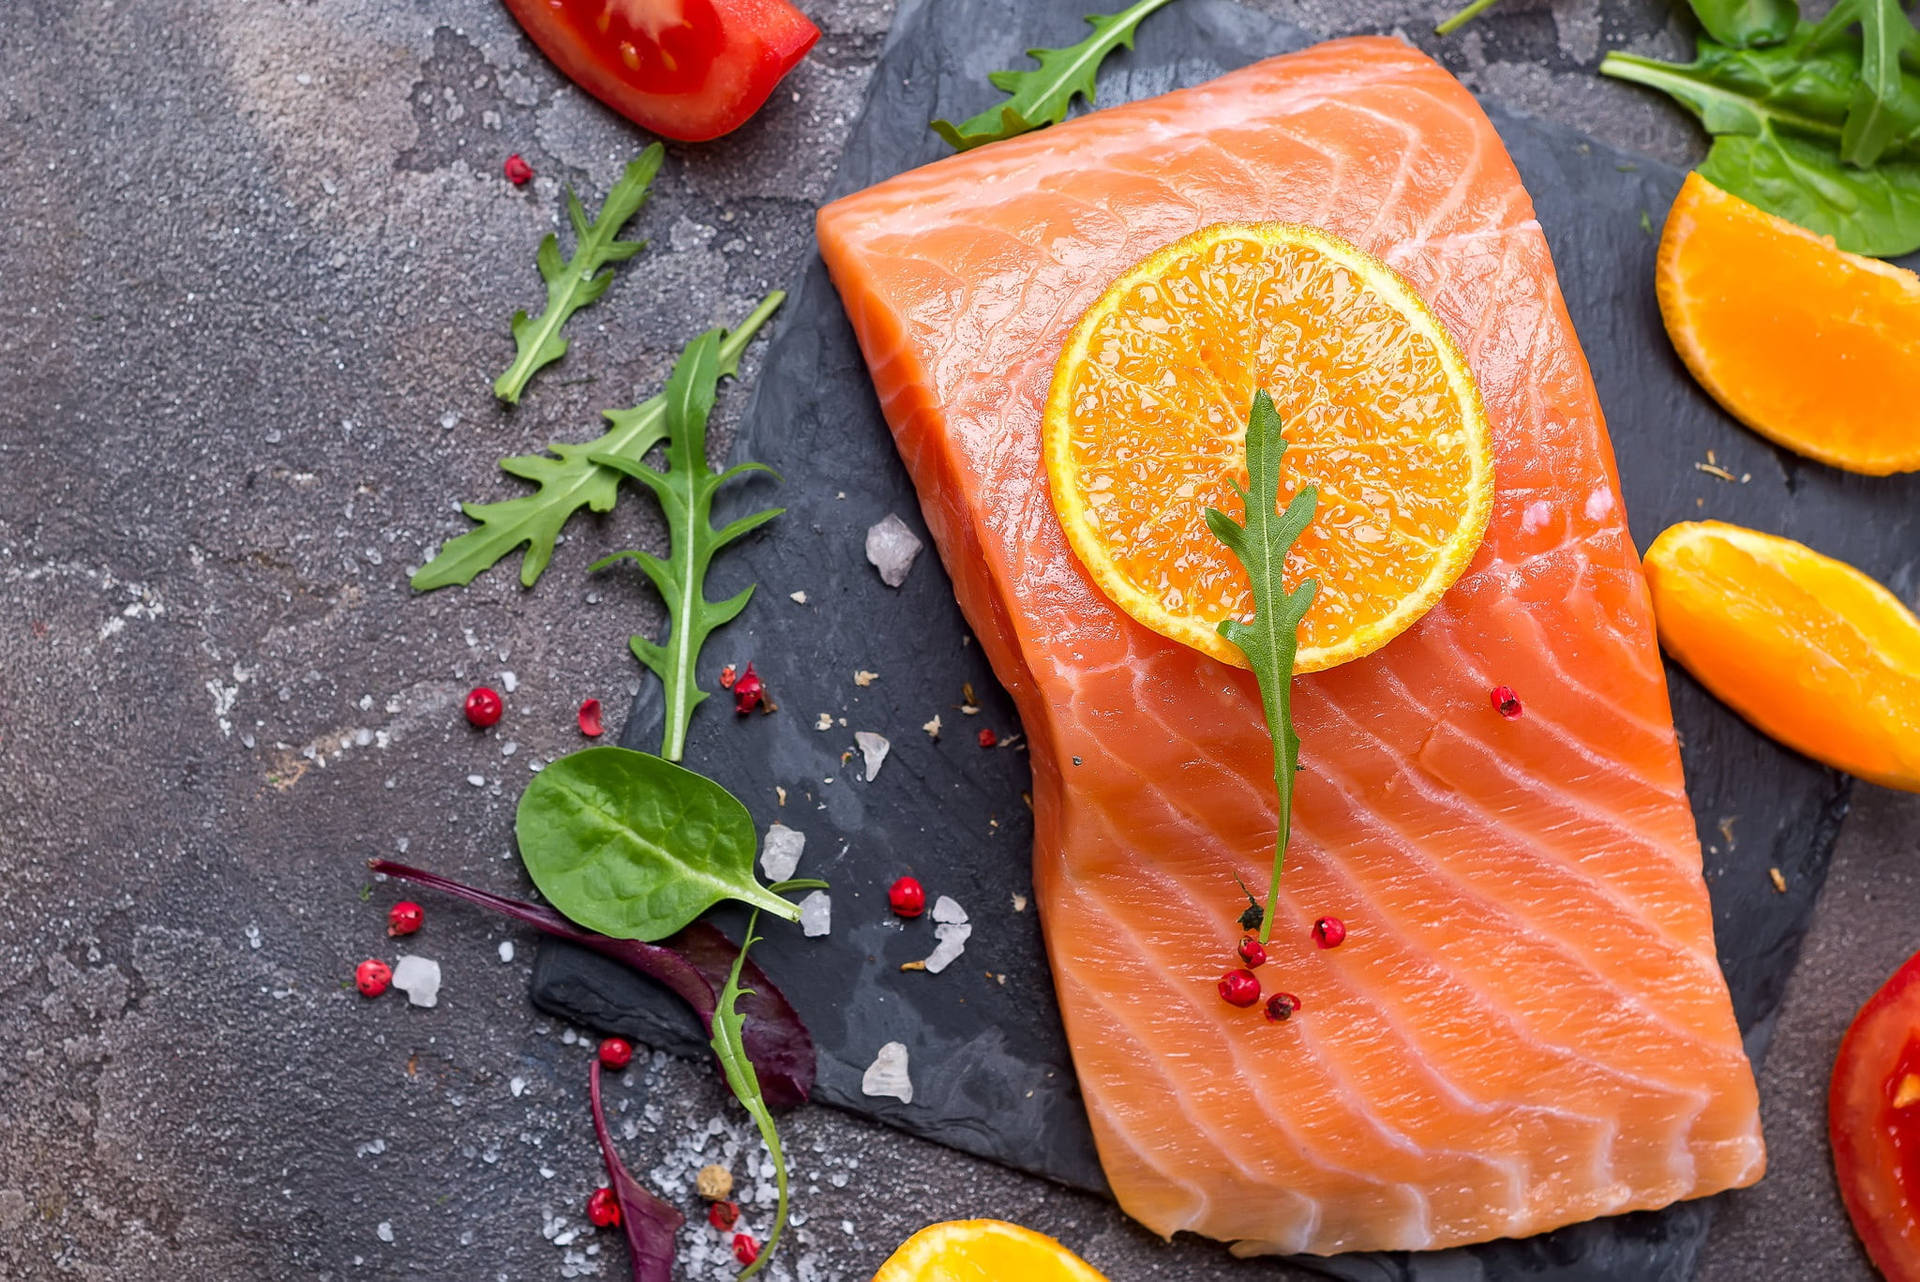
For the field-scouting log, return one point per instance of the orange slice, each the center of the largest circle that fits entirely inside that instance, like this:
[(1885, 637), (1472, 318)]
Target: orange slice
[(1810, 650), (984, 1251), (1146, 421), (1816, 349)]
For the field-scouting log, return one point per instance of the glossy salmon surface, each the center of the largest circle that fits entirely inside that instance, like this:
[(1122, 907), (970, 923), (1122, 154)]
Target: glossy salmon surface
[(1526, 1025)]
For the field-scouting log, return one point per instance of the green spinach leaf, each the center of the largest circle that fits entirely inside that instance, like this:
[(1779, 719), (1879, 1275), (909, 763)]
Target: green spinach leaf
[(1042, 95), (568, 482), (1272, 639), (1745, 24), (636, 847), (578, 281), (1780, 117), (1866, 211)]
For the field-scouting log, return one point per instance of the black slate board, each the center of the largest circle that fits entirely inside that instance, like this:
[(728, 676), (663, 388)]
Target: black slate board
[(990, 1066)]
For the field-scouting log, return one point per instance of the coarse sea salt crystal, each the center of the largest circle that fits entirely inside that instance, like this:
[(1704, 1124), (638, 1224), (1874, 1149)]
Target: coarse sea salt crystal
[(384, 1230), (780, 851), (816, 914), (419, 979), (953, 936), (506, 950), (873, 747), (891, 547), (887, 1075), (947, 909)]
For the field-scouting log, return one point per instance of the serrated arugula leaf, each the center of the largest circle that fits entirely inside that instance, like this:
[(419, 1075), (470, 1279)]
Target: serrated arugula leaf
[(1881, 109), (1272, 639), (569, 480), (578, 281), (1042, 95), (685, 492), (730, 1048)]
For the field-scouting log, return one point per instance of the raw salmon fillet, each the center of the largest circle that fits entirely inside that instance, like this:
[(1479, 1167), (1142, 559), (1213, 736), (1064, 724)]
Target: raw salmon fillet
[(1526, 1026)]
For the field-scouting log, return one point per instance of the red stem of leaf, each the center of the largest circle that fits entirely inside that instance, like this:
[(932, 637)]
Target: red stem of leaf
[(649, 1222), (693, 964)]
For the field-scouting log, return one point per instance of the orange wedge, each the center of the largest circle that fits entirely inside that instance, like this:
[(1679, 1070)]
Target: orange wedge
[(1145, 429), (984, 1251), (1807, 648), (1816, 349)]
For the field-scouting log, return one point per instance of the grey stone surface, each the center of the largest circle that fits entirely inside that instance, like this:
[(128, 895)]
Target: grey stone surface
[(258, 263)]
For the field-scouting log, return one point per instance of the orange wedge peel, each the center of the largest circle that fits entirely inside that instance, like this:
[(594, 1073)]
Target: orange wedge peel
[(1145, 428), (1816, 349), (984, 1251), (1810, 650)]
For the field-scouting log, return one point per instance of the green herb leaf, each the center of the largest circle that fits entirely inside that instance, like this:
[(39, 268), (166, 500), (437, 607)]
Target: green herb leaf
[(1882, 109), (567, 483), (1746, 24), (578, 281), (730, 1048), (1866, 211), (1780, 117), (686, 491), (1042, 95), (635, 847), (1271, 640)]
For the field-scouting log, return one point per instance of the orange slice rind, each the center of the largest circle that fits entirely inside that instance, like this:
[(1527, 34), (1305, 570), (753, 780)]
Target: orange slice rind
[(1811, 651), (984, 1251), (1145, 428), (1816, 349)]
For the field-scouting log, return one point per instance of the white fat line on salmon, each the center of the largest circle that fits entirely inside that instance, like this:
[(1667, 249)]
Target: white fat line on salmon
[(1408, 249)]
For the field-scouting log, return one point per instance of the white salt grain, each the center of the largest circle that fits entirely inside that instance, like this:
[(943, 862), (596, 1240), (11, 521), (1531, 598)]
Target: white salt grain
[(874, 748), (419, 979), (953, 936), (891, 546), (887, 1075), (506, 950), (816, 914), (780, 852), (384, 1230), (946, 909)]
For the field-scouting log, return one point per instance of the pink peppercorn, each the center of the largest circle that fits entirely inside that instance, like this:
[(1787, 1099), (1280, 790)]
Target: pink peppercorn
[(372, 977), (484, 707), (616, 1053), (405, 917), (1239, 988), (517, 170)]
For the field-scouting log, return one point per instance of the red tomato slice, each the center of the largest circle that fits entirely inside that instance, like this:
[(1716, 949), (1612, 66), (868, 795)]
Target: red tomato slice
[(1873, 1119), (685, 69)]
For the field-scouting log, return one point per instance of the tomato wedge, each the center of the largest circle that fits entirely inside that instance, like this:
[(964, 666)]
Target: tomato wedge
[(1873, 1119), (685, 69)]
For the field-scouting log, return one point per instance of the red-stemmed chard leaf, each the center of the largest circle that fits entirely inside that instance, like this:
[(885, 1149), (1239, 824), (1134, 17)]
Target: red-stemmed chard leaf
[(693, 963), (649, 1222)]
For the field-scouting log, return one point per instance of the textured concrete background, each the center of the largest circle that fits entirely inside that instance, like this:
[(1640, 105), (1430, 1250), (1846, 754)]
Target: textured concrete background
[(258, 264)]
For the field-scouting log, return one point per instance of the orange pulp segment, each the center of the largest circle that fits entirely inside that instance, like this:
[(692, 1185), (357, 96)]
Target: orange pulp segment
[(1810, 650), (1145, 428), (984, 1251), (1816, 349)]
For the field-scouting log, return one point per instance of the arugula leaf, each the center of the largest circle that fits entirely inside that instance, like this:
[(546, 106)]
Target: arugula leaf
[(636, 847), (1041, 96), (574, 284), (567, 483), (729, 1047), (1880, 110), (686, 491), (1272, 639), (648, 1221)]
